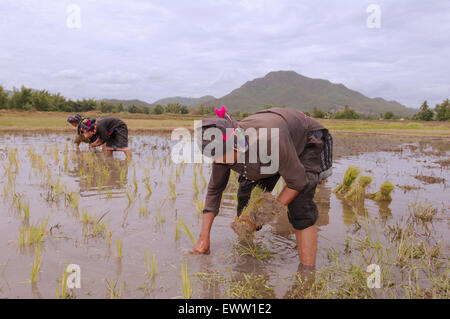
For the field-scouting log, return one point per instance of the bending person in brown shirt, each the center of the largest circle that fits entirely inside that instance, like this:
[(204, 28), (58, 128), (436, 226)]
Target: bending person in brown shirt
[(300, 141)]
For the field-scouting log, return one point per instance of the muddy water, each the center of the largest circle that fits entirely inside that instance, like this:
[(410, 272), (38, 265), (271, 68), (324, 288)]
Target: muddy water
[(49, 167)]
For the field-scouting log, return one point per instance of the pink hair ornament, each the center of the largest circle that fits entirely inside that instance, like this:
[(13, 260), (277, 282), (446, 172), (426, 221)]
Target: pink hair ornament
[(221, 113)]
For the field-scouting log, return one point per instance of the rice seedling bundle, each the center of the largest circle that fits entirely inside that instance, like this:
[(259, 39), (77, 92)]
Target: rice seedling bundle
[(384, 194), (357, 192), (261, 209), (350, 176)]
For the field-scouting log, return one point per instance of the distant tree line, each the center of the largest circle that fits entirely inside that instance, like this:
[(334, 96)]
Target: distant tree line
[(27, 99), (441, 112)]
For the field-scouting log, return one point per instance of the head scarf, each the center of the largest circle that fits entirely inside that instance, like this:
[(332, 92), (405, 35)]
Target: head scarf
[(229, 128), (76, 118), (88, 125)]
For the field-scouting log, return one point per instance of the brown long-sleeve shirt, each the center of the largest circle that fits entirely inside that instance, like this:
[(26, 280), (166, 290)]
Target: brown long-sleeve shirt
[(293, 128)]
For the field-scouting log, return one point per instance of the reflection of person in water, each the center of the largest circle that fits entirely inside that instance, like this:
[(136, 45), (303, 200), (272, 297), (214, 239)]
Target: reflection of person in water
[(113, 177)]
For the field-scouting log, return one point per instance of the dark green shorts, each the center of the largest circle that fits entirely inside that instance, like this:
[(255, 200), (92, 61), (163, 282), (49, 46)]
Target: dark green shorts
[(119, 139)]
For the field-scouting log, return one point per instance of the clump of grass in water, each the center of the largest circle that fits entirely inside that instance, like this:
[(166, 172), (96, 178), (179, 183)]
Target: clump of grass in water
[(36, 265), (119, 248), (151, 264), (26, 211), (424, 213), (250, 287), (384, 194), (143, 210), (357, 192), (246, 247), (186, 283), (187, 231), (33, 234), (112, 289), (350, 176), (123, 173), (63, 293)]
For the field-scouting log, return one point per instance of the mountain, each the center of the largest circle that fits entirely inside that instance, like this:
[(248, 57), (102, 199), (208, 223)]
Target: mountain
[(288, 88), (128, 102), (188, 101)]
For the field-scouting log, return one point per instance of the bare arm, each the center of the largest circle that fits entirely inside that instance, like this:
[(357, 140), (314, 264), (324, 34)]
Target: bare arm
[(287, 195), (97, 143)]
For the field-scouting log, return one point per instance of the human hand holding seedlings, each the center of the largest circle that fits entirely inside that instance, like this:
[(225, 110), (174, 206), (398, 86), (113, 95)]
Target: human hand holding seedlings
[(262, 208)]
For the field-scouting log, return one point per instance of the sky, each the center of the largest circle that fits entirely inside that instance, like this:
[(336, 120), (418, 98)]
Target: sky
[(136, 49)]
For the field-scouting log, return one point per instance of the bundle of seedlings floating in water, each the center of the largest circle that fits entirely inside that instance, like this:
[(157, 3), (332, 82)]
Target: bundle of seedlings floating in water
[(261, 209), (357, 192), (384, 194), (350, 176)]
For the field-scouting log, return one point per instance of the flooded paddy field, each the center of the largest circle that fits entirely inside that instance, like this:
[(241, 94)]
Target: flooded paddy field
[(130, 225)]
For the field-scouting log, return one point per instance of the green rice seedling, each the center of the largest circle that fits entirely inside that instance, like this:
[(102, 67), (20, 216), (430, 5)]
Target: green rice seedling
[(66, 162), (143, 210), (123, 173), (350, 176), (151, 264), (26, 211), (148, 188), (424, 213), (112, 289), (187, 231), (384, 194), (186, 283), (135, 183), (88, 180), (251, 286), (36, 265), (199, 205), (72, 199), (202, 177), (357, 192), (32, 234), (119, 248), (177, 231), (130, 196), (195, 184), (172, 187), (87, 218), (64, 293), (108, 234), (247, 247)]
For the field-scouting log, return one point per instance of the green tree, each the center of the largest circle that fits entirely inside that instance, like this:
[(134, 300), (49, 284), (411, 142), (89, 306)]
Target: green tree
[(158, 109), (4, 98), (388, 116), (443, 111), (425, 113), (318, 114), (21, 99), (347, 114)]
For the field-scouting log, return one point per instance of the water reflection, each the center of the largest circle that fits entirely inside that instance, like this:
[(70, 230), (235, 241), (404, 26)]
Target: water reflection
[(95, 172)]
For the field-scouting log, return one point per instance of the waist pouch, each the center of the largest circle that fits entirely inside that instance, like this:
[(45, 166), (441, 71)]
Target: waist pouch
[(326, 156)]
